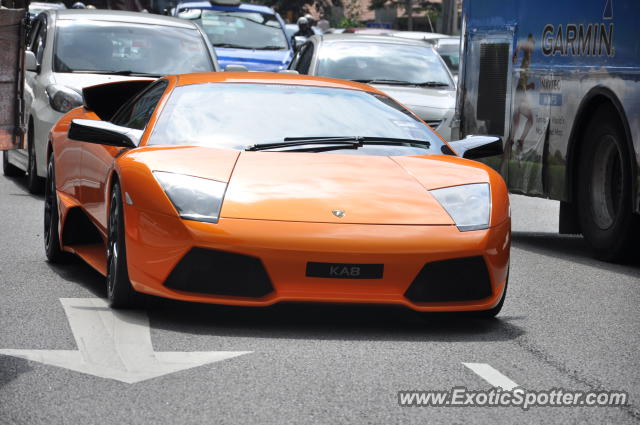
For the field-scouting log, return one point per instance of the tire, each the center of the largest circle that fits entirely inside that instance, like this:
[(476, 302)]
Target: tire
[(51, 219), (120, 293), (604, 188), (9, 169), (35, 184)]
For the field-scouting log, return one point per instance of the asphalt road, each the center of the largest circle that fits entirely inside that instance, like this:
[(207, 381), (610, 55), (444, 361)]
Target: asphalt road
[(569, 321)]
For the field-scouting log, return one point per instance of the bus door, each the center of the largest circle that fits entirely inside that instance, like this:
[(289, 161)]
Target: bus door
[(486, 87)]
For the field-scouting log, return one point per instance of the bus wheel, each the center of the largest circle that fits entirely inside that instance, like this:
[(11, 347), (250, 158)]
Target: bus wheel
[(604, 188)]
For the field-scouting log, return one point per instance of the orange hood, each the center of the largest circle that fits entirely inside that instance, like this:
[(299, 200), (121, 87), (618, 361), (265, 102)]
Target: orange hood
[(308, 187)]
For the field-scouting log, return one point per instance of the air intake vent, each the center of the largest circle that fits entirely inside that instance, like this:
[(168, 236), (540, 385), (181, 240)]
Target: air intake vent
[(206, 271), (492, 86), (458, 279)]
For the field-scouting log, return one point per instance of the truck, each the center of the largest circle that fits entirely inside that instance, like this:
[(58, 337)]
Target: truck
[(559, 82), (14, 22)]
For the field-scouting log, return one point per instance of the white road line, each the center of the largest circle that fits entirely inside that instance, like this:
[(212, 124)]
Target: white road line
[(492, 376), (116, 345)]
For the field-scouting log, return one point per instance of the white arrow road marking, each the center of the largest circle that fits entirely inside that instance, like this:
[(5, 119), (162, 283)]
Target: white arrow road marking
[(116, 345), (492, 376)]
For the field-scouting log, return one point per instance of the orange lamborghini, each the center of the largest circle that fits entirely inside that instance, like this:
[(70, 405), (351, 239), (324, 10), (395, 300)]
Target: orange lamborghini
[(251, 189)]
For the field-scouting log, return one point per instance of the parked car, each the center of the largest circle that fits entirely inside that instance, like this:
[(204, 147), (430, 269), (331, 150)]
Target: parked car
[(408, 70), (447, 46), (249, 35), (71, 49), (333, 193)]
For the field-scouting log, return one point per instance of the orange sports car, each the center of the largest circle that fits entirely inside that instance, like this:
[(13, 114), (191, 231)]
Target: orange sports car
[(251, 189)]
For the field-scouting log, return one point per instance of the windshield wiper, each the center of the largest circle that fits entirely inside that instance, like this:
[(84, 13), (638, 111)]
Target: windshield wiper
[(382, 81), (122, 72), (432, 84), (405, 83), (348, 141), (233, 46), (270, 48)]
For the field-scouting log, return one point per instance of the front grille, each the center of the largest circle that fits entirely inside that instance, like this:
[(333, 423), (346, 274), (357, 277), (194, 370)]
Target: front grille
[(458, 279), (208, 271)]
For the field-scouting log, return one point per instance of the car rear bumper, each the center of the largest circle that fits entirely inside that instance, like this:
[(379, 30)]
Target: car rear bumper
[(173, 258)]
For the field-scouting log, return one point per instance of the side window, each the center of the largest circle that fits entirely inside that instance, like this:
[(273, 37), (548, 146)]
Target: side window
[(138, 113), (305, 59)]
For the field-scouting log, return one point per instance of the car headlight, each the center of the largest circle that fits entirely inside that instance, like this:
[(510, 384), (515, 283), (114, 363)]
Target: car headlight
[(468, 205), (63, 98), (195, 198)]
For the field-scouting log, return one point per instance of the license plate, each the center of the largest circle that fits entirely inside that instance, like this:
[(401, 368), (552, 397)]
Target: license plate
[(345, 271)]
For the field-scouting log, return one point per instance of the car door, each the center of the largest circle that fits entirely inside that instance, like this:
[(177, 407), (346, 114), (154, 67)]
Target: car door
[(97, 160)]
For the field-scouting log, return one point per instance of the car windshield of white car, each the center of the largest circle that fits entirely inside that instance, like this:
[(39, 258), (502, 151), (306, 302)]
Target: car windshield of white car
[(382, 63), (130, 49), (241, 115), (242, 30)]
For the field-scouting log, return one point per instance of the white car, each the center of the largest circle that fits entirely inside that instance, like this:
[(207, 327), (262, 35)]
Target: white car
[(71, 49)]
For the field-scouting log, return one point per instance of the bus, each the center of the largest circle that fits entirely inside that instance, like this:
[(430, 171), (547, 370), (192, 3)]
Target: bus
[(559, 82)]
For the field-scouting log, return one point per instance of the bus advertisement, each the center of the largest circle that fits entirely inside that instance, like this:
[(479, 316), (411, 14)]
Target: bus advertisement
[(560, 83)]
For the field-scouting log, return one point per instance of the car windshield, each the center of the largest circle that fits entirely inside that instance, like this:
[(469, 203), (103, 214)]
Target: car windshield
[(451, 55), (112, 47), (243, 30), (240, 115), (364, 61)]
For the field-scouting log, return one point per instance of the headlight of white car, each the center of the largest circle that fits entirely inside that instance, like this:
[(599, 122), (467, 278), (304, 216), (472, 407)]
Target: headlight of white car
[(63, 98), (468, 205), (195, 198)]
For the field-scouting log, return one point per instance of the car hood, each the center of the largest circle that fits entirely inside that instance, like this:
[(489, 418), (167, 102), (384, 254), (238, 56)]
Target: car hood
[(429, 103), (309, 187), (79, 81), (254, 60)]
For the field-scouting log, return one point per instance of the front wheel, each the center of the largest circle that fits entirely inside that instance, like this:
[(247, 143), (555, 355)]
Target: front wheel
[(604, 189), (51, 218), (120, 293)]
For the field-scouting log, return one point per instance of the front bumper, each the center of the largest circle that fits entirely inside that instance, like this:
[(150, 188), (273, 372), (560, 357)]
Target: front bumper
[(158, 243)]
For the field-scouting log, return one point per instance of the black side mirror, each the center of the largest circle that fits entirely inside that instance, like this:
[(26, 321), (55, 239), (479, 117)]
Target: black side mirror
[(104, 133), (474, 147), (298, 42)]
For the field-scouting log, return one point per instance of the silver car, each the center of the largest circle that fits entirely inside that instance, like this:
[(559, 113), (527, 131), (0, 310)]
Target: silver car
[(75, 48), (409, 71)]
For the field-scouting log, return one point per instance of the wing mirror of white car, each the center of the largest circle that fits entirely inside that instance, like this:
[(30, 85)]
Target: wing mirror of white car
[(30, 61), (104, 133), (474, 147), (235, 68), (190, 14)]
